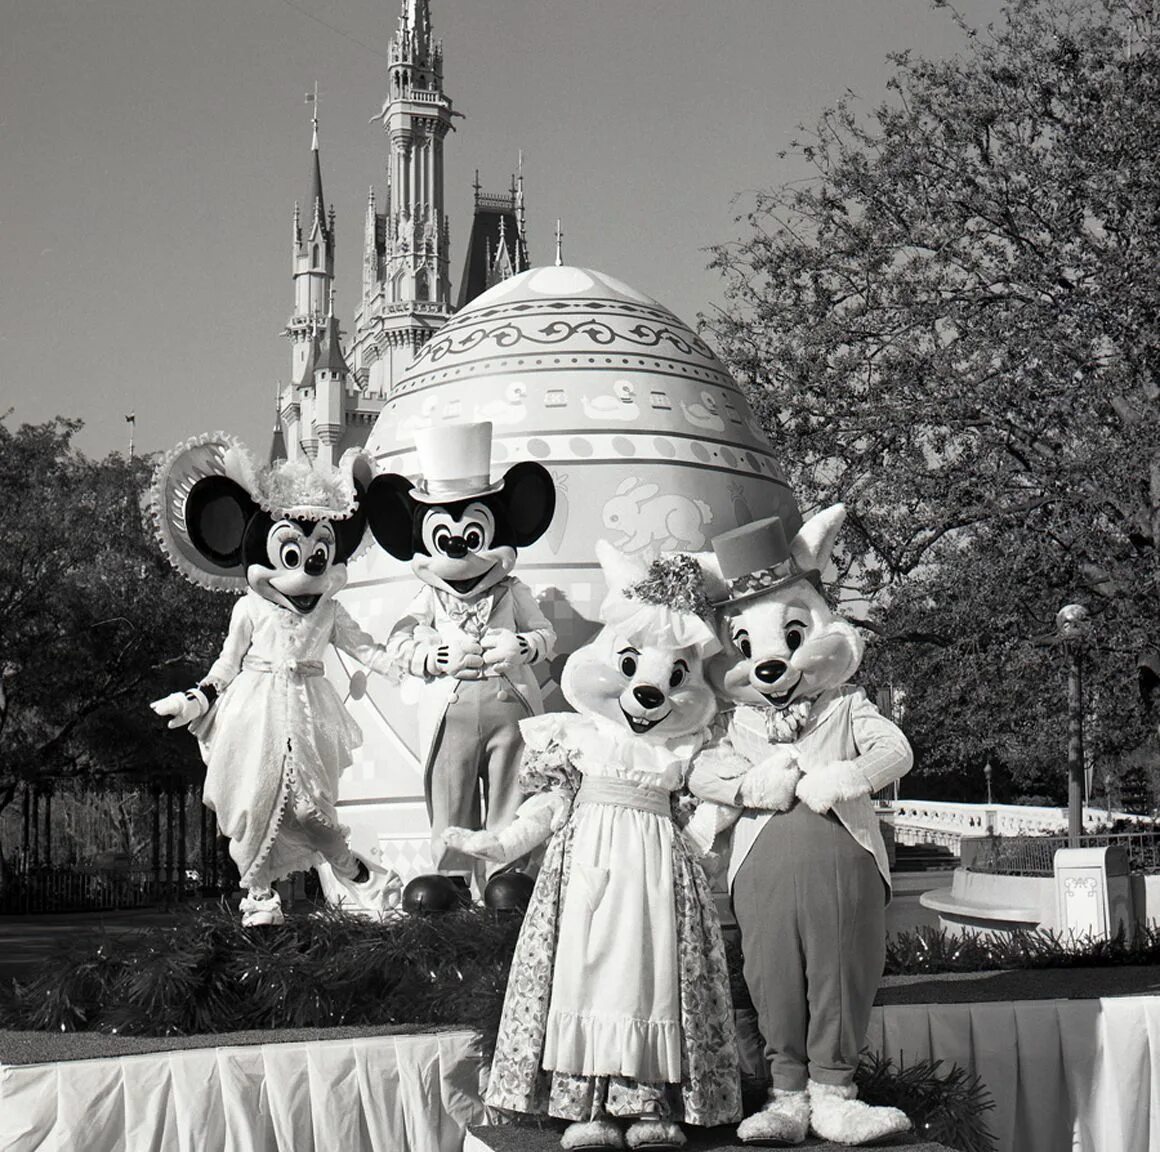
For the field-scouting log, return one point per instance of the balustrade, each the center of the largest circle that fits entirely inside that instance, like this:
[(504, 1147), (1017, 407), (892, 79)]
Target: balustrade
[(945, 822)]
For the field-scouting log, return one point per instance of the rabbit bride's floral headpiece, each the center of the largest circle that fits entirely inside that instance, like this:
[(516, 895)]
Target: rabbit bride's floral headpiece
[(663, 603)]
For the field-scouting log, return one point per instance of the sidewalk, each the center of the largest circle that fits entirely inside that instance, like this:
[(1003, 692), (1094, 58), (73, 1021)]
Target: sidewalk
[(904, 913)]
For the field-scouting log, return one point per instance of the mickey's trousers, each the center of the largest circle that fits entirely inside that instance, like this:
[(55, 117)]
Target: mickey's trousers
[(475, 763), (810, 904)]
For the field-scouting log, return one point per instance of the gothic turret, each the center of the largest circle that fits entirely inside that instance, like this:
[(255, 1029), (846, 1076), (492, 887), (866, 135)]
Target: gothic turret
[(406, 278), (498, 247), (330, 399), (277, 439), (313, 266)]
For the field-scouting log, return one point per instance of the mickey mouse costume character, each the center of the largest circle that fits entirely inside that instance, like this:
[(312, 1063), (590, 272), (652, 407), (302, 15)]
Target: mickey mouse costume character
[(474, 632), (273, 732), (801, 752)]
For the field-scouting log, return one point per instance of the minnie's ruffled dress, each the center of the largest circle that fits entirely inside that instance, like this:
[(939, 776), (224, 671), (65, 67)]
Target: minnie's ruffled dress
[(619, 991), (278, 732)]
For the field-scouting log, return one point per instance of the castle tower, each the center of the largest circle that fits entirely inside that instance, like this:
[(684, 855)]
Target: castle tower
[(406, 279), (497, 247), (312, 258), (277, 439), (330, 400)]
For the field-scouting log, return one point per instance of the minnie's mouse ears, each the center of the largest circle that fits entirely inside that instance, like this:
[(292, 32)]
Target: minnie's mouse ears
[(199, 540), (206, 490)]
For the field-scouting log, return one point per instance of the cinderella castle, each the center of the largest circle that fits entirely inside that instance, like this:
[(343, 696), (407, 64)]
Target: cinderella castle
[(334, 393)]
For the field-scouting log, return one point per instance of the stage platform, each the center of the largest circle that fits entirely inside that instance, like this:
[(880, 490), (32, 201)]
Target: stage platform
[(1081, 1074), (700, 1140)]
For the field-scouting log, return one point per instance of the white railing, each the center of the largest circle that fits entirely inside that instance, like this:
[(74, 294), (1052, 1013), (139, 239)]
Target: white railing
[(945, 823)]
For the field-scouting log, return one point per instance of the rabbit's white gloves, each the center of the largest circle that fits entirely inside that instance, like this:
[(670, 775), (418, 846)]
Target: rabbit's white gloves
[(182, 707), (537, 818), (821, 788), (771, 783)]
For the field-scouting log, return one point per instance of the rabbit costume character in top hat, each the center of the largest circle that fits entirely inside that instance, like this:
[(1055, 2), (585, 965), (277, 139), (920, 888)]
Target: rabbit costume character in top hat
[(800, 753), (273, 732), (474, 632), (618, 1010)]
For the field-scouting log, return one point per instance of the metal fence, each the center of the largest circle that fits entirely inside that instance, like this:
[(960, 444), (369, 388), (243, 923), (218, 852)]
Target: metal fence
[(49, 888), (67, 847), (1035, 855)]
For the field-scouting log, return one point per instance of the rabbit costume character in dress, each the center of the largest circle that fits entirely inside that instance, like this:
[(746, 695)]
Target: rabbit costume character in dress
[(273, 732), (799, 754), (474, 633), (618, 1011)]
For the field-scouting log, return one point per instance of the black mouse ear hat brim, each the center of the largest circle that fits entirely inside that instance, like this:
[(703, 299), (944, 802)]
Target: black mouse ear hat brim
[(295, 490), (214, 454)]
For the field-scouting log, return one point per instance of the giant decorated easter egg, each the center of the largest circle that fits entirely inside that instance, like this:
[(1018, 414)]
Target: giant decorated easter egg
[(651, 445)]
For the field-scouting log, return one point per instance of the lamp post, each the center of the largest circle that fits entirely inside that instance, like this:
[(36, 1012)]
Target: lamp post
[(987, 770), (1073, 629)]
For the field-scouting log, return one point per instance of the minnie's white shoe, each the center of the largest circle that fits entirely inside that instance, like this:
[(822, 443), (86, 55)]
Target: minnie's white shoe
[(372, 892), (261, 911), (836, 1114), (783, 1121)]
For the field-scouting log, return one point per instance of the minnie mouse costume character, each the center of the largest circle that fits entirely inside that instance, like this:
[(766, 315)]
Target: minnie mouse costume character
[(617, 1015), (273, 732), (798, 754), (473, 633)]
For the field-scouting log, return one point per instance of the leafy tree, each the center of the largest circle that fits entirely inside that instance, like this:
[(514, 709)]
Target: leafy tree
[(93, 620), (954, 327)]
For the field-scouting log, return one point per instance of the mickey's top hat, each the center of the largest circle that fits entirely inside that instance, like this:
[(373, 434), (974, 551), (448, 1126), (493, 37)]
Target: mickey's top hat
[(454, 463), (756, 559)]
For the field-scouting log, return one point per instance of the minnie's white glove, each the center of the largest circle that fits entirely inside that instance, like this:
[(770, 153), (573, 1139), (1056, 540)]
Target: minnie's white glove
[(182, 707)]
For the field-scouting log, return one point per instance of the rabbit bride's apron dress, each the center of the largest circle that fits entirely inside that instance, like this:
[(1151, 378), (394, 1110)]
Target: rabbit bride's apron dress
[(619, 993)]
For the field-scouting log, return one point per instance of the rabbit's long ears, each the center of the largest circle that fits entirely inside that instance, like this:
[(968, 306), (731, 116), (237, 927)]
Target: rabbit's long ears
[(814, 543), (620, 569)]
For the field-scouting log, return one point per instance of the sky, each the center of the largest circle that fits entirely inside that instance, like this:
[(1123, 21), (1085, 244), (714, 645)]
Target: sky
[(151, 152)]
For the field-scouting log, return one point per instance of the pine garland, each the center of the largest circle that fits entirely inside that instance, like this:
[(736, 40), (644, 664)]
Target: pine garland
[(944, 1107), (208, 974), (931, 951)]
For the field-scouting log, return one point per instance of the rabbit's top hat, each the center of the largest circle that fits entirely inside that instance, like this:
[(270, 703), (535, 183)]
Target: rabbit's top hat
[(454, 463), (756, 558)]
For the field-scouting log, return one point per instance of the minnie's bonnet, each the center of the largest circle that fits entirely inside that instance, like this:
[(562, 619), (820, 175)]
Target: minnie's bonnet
[(292, 490)]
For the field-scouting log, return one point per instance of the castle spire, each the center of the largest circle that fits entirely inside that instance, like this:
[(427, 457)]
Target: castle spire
[(406, 286), (317, 204), (312, 263), (415, 29), (521, 223), (277, 439), (330, 358)]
